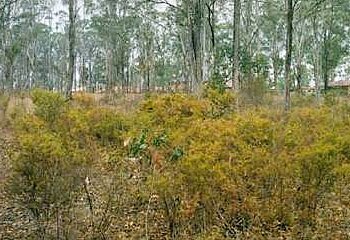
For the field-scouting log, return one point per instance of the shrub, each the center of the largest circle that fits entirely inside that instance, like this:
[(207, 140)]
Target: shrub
[(221, 101), (47, 175), (187, 171), (48, 105), (107, 126), (171, 111)]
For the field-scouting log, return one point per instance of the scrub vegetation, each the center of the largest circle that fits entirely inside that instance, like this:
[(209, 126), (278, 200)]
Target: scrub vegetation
[(178, 167)]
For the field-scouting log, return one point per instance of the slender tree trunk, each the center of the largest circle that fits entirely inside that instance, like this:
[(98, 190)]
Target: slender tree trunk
[(325, 74), (289, 46), (249, 32), (90, 79), (109, 63), (71, 36), (195, 38), (212, 37), (148, 80), (127, 76), (327, 37), (275, 60), (205, 53), (186, 69), (236, 44), (299, 67), (316, 73), (8, 54), (8, 72), (121, 72), (299, 77)]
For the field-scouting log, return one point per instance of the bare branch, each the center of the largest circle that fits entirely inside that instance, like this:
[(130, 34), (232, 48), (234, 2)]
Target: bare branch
[(164, 2), (7, 3)]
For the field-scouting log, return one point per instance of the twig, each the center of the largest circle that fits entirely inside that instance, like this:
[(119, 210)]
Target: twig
[(91, 207)]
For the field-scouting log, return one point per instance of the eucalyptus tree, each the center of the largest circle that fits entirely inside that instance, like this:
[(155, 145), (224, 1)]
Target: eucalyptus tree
[(290, 7), (335, 29), (236, 43), (272, 37), (72, 42), (329, 23), (146, 43), (9, 48), (189, 24), (116, 27), (22, 27), (195, 24)]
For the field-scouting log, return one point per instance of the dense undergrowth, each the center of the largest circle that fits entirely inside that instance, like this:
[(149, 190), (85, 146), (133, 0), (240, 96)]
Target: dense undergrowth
[(180, 167)]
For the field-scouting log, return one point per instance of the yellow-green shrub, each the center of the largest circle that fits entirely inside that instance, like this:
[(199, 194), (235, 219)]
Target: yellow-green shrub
[(107, 126), (272, 165), (48, 105), (254, 173), (171, 110), (29, 124), (221, 102), (47, 175)]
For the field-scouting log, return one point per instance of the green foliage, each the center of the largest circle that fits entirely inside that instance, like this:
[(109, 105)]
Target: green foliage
[(221, 100), (177, 154), (160, 140), (218, 84), (139, 145), (257, 66), (48, 105)]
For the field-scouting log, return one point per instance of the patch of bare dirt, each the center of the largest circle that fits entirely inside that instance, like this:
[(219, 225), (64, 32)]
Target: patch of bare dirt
[(6, 147)]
